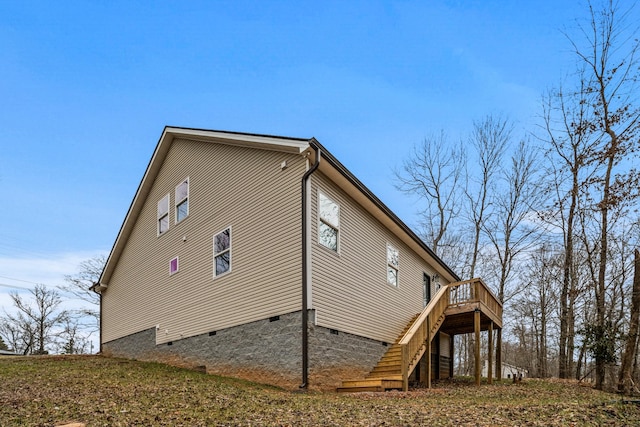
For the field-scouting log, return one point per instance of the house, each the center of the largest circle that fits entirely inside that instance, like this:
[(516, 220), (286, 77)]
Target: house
[(263, 257), (508, 371)]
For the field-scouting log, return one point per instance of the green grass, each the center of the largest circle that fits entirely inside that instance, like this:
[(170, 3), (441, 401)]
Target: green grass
[(100, 391)]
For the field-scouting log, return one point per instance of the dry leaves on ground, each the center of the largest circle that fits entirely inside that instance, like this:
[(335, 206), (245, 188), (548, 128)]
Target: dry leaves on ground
[(100, 391)]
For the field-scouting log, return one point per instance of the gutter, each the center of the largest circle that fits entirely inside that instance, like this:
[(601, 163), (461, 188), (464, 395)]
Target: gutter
[(305, 268)]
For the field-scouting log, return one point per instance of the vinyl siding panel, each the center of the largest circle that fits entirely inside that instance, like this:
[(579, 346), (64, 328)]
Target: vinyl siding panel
[(445, 345), (350, 289), (229, 186)]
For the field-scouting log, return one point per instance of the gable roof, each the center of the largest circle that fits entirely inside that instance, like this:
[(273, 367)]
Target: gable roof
[(329, 165)]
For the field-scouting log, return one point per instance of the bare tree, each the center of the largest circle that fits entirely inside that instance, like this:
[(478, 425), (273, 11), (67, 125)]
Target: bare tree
[(534, 307), (34, 322), (509, 230), (489, 139), (11, 333), (79, 284), (433, 173), (609, 88), (569, 158), (71, 338)]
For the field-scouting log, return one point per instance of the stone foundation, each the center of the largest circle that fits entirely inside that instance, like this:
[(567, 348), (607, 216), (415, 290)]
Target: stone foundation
[(267, 351), (335, 356)]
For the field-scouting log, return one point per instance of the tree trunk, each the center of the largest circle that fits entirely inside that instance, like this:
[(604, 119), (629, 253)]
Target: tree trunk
[(601, 285), (571, 334), (566, 339), (543, 338), (581, 356), (625, 382)]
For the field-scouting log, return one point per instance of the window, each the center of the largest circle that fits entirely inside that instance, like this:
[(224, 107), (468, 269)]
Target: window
[(182, 200), (222, 252), (392, 265), (329, 224), (163, 215), (426, 289), (173, 266)]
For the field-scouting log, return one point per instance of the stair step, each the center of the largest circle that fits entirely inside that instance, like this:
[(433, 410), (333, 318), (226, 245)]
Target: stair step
[(394, 355), (383, 372), (387, 370), (393, 367), (378, 384), (358, 389), (387, 374), (390, 362), (394, 377), (378, 375)]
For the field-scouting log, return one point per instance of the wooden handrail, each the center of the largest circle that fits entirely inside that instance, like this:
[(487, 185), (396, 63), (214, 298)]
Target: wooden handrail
[(415, 341), (420, 320)]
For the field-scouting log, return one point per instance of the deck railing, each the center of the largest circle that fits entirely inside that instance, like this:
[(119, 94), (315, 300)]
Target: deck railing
[(416, 341), (471, 292)]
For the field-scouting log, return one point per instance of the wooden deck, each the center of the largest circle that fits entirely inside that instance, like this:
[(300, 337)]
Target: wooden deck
[(458, 308)]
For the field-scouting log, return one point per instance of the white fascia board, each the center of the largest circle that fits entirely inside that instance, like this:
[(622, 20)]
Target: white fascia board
[(288, 145)]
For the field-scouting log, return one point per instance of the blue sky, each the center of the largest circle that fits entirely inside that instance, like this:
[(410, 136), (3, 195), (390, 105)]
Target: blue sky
[(87, 88)]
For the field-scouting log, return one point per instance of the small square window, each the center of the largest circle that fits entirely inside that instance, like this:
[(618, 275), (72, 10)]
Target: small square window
[(163, 215), (222, 252), (173, 266), (182, 200)]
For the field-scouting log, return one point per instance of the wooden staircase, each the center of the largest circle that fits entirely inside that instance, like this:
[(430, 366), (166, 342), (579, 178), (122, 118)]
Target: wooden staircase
[(386, 375), (460, 307)]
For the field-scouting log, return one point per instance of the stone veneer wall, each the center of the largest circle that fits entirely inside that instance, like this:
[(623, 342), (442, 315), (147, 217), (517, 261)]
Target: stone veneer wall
[(267, 351)]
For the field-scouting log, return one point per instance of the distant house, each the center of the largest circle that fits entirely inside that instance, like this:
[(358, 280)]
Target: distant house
[(8, 353), (264, 258), (508, 371)]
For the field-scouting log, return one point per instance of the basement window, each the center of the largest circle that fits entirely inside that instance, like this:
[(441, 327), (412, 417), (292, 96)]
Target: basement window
[(163, 215), (393, 264), (222, 252), (329, 224), (182, 200)]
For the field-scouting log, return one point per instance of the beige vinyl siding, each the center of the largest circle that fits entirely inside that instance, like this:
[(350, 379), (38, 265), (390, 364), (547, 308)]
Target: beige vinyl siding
[(241, 188), (350, 289), (445, 345)]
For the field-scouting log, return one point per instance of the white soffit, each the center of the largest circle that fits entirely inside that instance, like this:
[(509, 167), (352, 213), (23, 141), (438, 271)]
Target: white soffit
[(288, 145)]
